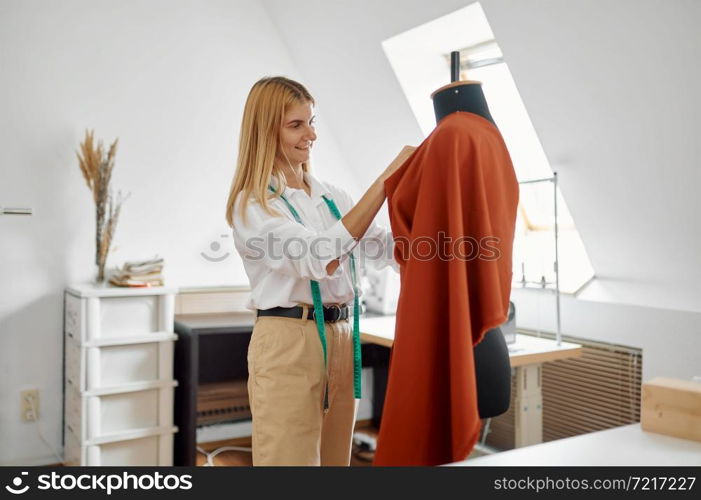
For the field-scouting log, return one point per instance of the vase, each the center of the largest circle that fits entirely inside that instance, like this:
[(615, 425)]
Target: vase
[(99, 279)]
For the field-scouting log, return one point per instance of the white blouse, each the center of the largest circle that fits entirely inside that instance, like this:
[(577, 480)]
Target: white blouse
[(281, 256)]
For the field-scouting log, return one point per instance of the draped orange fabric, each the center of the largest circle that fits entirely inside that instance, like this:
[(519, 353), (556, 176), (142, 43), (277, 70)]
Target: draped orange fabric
[(452, 208)]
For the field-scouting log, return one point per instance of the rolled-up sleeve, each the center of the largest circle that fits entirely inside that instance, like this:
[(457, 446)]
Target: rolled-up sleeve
[(376, 247), (287, 247)]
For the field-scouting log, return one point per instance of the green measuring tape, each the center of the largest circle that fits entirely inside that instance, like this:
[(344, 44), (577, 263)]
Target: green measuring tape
[(318, 307)]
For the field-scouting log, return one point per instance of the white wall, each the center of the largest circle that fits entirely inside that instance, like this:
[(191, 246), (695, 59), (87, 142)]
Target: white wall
[(668, 338), (170, 80)]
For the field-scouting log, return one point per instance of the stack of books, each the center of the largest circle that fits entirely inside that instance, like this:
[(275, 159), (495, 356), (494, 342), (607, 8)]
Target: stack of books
[(143, 273)]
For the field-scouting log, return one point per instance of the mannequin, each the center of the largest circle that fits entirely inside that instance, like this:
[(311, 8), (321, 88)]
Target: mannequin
[(492, 364), (460, 183)]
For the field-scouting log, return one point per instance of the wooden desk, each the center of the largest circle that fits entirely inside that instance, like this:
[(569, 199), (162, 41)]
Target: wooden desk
[(527, 355), (625, 445)]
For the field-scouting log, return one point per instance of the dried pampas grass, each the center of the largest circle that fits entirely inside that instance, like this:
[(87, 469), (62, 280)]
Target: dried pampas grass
[(96, 167)]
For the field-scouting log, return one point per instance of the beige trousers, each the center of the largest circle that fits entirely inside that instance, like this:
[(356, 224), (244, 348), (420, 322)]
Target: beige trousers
[(286, 380)]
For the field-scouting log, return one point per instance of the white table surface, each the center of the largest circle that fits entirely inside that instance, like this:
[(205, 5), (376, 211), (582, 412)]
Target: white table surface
[(620, 446), (526, 350)]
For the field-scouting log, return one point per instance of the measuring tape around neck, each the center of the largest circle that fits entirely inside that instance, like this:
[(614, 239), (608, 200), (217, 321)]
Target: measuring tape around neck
[(318, 306)]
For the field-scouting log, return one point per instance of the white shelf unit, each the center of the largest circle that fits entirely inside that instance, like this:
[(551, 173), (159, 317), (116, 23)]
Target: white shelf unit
[(118, 375)]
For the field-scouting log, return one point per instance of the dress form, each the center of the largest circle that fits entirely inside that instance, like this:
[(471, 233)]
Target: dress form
[(492, 363)]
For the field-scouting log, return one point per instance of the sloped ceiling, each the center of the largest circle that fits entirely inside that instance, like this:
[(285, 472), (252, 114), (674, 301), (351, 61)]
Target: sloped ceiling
[(611, 88)]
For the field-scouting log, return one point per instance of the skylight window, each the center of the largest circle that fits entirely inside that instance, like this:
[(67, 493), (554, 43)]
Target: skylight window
[(420, 59)]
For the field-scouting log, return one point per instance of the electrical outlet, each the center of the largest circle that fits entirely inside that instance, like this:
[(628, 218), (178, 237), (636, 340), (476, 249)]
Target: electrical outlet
[(30, 412)]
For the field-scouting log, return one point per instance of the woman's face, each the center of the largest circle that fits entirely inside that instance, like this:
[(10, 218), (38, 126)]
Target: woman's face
[(297, 134)]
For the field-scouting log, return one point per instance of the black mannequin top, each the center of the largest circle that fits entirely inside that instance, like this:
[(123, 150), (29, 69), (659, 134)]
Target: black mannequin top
[(492, 364), (463, 95)]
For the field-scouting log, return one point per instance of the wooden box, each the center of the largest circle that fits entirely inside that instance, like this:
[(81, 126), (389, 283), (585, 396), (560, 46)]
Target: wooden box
[(671, 406)]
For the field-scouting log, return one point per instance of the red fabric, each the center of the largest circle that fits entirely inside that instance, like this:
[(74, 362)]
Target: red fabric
[(459, 181)]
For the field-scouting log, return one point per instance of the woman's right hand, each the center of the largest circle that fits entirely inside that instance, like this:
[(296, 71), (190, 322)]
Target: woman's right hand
[(405, 153), (358, 219)]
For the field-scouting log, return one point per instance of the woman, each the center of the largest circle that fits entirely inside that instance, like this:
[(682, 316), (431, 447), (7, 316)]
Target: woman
[(296, 236)]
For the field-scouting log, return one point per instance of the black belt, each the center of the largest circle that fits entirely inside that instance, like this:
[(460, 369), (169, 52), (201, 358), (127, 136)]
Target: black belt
[(332, 313)]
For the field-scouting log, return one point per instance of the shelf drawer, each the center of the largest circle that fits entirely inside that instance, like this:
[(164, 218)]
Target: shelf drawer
[(111, 414), (109, 366), (90, 368), (117, 318), (151, 450)]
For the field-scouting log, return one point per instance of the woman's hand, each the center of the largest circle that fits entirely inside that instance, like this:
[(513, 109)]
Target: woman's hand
[(359, 218), (405, 153)]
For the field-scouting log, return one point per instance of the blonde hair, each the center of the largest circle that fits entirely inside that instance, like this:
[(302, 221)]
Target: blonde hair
[(268, 101)]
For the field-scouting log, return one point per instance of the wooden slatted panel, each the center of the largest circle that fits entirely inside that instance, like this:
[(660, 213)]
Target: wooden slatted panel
[(598, 391)]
